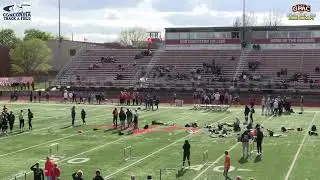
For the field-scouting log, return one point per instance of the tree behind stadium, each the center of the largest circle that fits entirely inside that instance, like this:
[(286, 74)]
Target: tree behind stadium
[(31, 56), (133, 37), (37, 34), (8, 38)]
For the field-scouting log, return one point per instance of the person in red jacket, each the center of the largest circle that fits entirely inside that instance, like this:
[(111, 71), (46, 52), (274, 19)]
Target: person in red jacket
[(48, 169), (56, 172)]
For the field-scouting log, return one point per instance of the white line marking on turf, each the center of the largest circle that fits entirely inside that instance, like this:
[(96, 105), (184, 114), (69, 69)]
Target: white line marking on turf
[(155, 152), (300, 147), (219, 158), (30, 147)]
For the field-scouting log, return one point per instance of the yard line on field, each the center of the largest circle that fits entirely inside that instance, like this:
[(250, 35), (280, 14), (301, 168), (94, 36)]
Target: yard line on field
[(163, 148), (299, 149), (219, 158)]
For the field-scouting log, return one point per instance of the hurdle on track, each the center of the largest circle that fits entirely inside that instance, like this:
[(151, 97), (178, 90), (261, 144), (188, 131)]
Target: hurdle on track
[(53, 148), (20, 176), (205, 158), (127, 153)]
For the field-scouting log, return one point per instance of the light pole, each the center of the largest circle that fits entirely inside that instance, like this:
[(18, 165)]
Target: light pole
[(243, 19), (59, 9)]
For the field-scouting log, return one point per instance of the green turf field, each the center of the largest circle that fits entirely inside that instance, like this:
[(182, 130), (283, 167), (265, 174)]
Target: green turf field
[(293, 157)]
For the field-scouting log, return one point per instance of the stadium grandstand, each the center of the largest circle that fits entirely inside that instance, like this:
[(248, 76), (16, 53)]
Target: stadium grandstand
[(283, 58)]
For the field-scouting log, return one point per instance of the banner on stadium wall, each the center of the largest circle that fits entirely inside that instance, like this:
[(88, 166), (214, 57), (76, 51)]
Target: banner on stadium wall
[(10, 80), (286, 41), (202, 41)]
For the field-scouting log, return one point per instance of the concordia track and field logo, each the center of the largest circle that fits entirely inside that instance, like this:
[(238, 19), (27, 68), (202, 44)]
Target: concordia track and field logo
[(17, 12), (301, 12)]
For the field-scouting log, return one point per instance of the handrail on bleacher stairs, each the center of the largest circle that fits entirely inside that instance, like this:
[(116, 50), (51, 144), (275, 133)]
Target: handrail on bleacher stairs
[(155, 58), (65, 68), (242, 62)]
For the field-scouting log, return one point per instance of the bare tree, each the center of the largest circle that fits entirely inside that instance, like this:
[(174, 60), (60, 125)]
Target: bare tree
[(133, 37), (237, 22), (273, 18), (250, 20)]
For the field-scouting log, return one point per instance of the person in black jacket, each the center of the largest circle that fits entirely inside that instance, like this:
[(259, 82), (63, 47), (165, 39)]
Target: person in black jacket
[(38, 173), (30, 117), (259, 140), (186, 152), (31, 96), (77, 175), (98, 176), (39, 95), (122, 118), (129, 117), (246, 113), (11, 119), (83, 116), (73, 115), (252, 111)]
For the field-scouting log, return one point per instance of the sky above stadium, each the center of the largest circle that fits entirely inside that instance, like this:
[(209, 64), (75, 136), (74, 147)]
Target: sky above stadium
[(102, 20)]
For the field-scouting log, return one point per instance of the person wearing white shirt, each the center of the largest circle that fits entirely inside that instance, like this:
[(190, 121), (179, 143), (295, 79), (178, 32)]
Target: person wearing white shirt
[(65, 96), (217, 98), (21, 119)]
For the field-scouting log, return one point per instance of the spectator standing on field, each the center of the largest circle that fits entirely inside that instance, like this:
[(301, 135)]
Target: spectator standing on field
[(135, 119), (83, 116), (129, 117), (77, 175), (259, 141), (115, 117), (245, 144), (227, 164), (98, 176), (21, 119), (122, 117), (38, 173), (65, 96), (47, 96), (48, 169), (301, 104), (11, 119), (73, 115), (56, 172), (186, 152), (30, 117), (39, 94), (31, 96)]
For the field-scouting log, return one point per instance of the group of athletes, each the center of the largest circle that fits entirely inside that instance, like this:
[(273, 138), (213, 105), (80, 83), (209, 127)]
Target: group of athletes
[(7, 120)]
